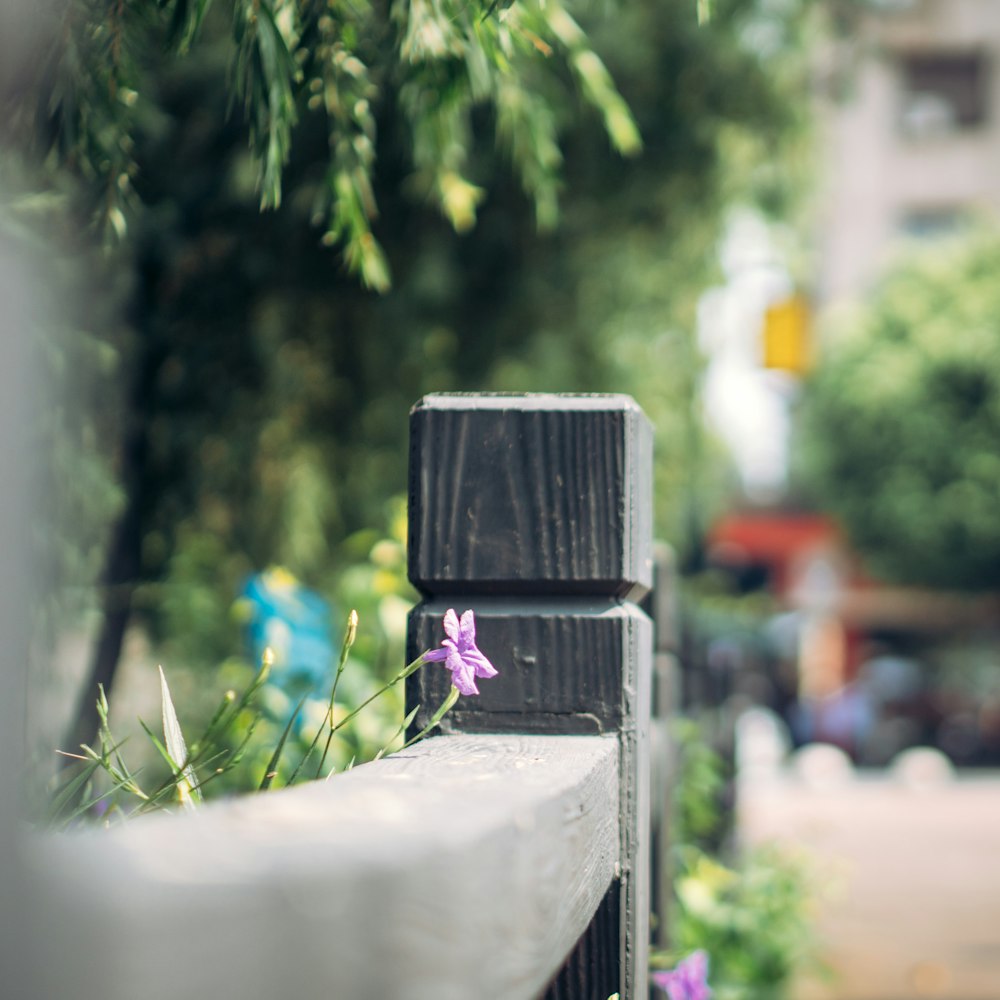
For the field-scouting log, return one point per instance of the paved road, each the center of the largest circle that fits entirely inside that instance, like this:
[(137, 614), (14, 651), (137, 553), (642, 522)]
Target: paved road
[(911, 904)]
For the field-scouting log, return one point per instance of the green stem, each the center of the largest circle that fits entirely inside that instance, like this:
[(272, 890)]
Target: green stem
[(402, 675), (443, 710), (350, 633)]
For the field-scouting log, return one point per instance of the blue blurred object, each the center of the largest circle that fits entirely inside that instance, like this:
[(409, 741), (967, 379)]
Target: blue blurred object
[(294, 621)]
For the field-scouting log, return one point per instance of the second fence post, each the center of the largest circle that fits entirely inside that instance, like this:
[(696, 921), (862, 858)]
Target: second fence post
[(536, 512)]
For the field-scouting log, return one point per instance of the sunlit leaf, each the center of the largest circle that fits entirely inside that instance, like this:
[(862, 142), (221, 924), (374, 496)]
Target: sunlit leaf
[(173, 738)]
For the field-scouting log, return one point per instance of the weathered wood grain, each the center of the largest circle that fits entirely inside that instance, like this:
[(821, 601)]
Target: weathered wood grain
[(592, 969), (465, 867), (536, 511), (536, 494), (564, 667), (562, 664), (663, 605)]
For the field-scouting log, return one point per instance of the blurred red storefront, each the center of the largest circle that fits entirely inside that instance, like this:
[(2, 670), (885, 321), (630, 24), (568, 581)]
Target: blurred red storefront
[(810, 568)]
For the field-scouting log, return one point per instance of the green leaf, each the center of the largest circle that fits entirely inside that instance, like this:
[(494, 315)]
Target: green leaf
[(69, 791), (176, 748)]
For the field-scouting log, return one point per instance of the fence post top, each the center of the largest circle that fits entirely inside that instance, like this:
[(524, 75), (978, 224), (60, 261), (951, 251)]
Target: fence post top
[(534, 494), (595, 401)]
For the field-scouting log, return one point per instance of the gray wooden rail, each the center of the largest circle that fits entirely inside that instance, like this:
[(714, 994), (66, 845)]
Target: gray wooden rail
[(505, 858)]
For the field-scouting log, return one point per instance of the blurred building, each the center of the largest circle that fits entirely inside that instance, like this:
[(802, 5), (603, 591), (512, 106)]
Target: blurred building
[(911, 133), (910, 137)]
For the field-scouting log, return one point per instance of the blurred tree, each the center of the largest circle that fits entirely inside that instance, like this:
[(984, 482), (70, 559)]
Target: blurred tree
[(268, 388), (328, 68), (900, 423)]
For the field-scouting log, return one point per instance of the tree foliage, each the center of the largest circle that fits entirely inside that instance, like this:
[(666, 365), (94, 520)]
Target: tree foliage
[(901, 421), (332, 68)]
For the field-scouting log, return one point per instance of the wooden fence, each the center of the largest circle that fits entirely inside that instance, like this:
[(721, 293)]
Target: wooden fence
[(507, 857)]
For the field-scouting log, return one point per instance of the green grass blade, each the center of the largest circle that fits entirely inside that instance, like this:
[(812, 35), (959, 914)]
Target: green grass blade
[(69, 790), (272, 766), (89, 804)]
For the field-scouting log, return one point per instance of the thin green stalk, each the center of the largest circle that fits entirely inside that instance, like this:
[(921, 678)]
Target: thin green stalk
[(121, 775), (350, 633), (206, 737), (218, 772), (272, 765), (241, 750), (436, 718), (403, 726), (221, 721), (69, 791), (89, 804), (402, 675), (108, 743)]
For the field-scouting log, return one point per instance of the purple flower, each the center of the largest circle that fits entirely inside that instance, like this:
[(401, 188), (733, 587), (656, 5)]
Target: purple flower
[(688, 981), (460, 654)]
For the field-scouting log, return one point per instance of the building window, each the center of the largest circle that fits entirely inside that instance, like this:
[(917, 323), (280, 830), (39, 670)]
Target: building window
[(932, 222), (942, 92)]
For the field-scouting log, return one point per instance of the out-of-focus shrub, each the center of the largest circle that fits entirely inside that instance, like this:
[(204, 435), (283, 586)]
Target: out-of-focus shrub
[(900, 424)]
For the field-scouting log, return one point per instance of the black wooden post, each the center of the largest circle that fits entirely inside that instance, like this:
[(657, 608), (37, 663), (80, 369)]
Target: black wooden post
[(535, 511), (663, 607)]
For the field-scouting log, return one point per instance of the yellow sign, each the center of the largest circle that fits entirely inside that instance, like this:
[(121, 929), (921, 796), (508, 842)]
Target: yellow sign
[(787, 339)]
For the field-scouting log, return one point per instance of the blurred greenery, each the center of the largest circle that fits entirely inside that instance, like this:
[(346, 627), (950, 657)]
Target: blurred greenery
[(911, 382), (263, 387), (753, 920), (699, 819), (750, 915)]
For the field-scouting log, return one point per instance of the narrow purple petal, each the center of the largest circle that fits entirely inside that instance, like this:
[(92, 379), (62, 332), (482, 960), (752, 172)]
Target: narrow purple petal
[(694, 970), (672, 985), (696, 964), (451, 625), (462, 675), (435, 655), (467, 630), (480, 664), (688, 980)]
